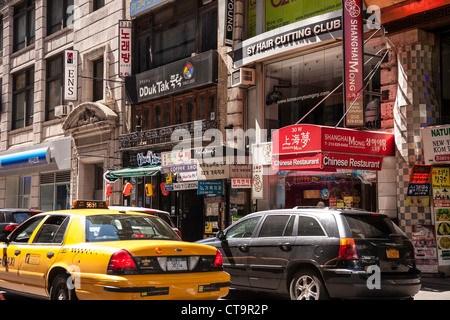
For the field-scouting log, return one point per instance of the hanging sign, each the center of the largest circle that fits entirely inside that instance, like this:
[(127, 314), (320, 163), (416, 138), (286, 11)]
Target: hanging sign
[(441, 208), (229, 23), (436, 144), (70, 75), (352, 11), (125, 29)]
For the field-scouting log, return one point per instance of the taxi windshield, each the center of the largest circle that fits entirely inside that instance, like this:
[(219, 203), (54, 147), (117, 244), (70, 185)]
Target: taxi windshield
[(127, 227)]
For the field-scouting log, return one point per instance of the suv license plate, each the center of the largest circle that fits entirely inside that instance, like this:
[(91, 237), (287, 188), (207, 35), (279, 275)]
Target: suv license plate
[(176, 264), (392, 254)]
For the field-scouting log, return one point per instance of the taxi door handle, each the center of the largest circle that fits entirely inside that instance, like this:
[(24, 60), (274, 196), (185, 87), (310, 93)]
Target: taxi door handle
[(50, 255), (17, 252)]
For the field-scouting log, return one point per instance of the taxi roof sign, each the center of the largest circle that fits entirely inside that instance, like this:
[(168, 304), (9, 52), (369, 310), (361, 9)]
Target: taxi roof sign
[(89, 204)]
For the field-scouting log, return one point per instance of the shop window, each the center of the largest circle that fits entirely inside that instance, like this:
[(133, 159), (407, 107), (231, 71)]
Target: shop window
[(24, 24), (97, 83), (24, 192), (55, 191), (190, 108), (58, 15), (54, 80), (175, 32), (167, 113), (178, 111), (23, 99), (156, 116)]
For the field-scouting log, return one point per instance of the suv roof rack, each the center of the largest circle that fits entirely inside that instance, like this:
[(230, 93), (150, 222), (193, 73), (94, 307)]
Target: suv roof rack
[(329, 208)]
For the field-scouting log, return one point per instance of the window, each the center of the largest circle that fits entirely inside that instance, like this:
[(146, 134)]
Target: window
[(175, 32), (129, 227), (308, 226), (54, 94), (274, 226), (58, 15), (24, 24), (98, 4), (23, 232), (24, 192), (55, 191), (52, 230), (98, 80), (243, 229), (23, 99)]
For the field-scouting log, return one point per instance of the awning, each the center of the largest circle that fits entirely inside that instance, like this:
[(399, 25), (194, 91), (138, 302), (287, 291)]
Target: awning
[(25, 159), (144, 171)]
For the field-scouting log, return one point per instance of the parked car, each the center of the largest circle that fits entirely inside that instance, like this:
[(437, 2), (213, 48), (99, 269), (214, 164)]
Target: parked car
[(319, 253), (10, 219), (162, 214), (107, 255)]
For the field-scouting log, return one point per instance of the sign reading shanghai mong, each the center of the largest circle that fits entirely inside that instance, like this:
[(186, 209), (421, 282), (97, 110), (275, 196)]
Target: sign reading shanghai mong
[(353, 61)]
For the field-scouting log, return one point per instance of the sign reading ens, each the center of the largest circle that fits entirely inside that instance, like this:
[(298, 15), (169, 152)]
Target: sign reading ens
[(306, 147)]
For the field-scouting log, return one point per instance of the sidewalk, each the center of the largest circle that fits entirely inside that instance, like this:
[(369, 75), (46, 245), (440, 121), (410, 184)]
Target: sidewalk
[(432, 281)]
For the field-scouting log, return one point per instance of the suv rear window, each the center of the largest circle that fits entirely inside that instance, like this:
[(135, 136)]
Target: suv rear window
[(371, 226), (20, 217)]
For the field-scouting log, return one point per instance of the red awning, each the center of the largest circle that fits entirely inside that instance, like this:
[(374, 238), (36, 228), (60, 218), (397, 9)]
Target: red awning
[(312, 147)]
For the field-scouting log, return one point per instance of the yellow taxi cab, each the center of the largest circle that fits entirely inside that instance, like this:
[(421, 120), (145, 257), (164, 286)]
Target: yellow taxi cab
[(109, 255)]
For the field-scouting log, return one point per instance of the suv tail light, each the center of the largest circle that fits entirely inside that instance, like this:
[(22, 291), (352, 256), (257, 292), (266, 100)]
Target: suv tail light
[(347, 249), (218, 261), (122, 263)]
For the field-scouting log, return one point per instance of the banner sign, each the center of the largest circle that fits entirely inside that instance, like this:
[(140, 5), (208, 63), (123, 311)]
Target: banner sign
[(206, 187), (352, 11), (229, 23), (313, 138), (70, 75), (139, 6), (186, 74), (436, 144), (125, 29)]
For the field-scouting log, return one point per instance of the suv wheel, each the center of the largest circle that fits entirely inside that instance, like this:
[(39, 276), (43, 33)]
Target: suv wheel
[(307, 285)]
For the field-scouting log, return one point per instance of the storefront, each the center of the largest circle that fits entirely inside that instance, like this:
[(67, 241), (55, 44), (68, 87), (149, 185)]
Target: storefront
[(37, 177)]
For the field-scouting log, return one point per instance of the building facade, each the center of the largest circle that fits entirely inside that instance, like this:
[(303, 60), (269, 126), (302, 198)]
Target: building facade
[(54, 151)]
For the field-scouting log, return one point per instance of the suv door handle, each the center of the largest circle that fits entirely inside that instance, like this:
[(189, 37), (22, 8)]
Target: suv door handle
[(243, 248), (285, 246), (17, 252)]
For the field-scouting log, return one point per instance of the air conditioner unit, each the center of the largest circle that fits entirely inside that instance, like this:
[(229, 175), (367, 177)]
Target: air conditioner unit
[(243, 77), (63, 110)]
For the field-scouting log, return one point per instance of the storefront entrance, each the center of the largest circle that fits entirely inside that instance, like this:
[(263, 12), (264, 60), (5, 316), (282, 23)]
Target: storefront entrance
[(191, 215)]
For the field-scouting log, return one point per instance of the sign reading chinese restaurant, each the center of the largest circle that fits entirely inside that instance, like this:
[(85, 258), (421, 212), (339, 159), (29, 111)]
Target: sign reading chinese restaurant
[(312, 147), (176, 77)]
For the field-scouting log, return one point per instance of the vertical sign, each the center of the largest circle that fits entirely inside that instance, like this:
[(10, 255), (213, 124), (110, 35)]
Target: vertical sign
[(70, 75), (229, 22), (125, 27), (353, 61)]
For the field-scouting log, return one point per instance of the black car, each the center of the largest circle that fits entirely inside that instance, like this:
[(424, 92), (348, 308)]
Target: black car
[(10, 219), (319, 253)]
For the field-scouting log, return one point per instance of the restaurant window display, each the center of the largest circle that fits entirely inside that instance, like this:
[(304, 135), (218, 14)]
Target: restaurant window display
[(343, 188)]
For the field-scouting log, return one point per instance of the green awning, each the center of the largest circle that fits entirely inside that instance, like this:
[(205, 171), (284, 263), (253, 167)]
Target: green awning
[(145, 171)]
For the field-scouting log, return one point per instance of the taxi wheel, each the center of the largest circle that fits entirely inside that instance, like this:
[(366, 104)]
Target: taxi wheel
[(60, 289)]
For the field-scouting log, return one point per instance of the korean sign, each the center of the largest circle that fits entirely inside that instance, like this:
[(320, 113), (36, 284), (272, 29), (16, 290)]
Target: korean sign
[(70, 75), (441, 208), (210, 187), (139, 6), (125, 28)]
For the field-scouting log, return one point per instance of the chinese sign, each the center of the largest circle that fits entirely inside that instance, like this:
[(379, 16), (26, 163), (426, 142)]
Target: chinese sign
[(176, 77), (441, 203), (206, 187), (70, 75), (436, 144), (125, 28)]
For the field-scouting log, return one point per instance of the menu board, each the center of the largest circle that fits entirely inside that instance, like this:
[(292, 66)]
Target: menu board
[(424, 241), (441, 211)]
